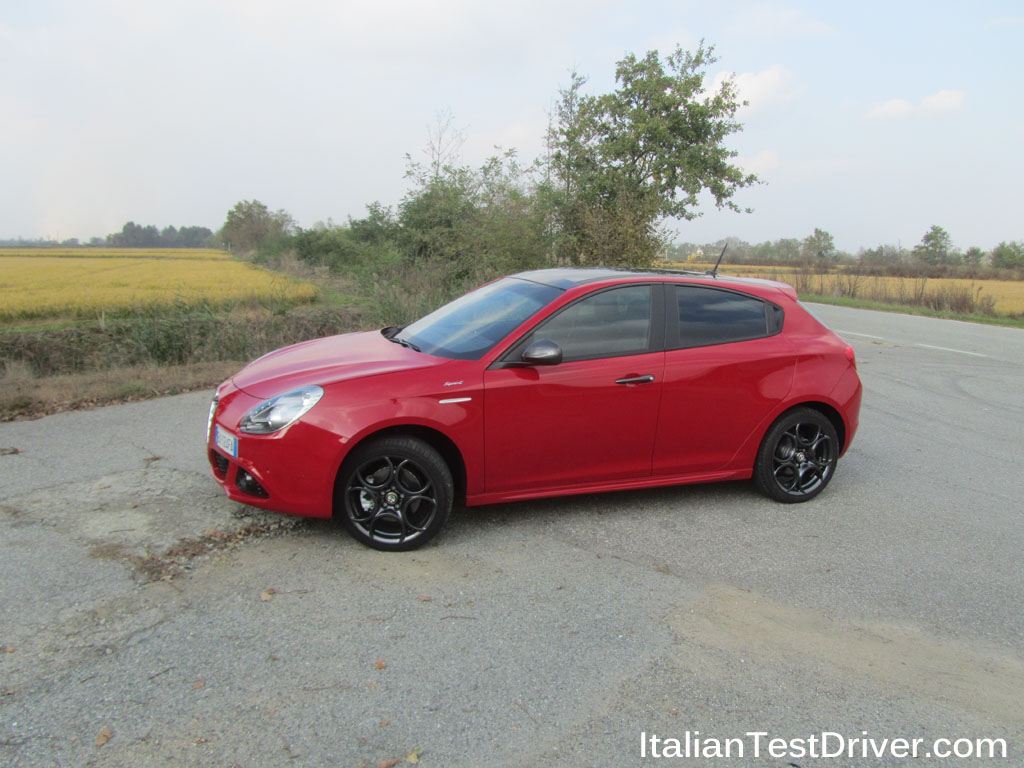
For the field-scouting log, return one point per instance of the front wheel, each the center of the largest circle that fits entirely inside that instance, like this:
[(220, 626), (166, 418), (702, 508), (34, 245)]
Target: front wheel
[(797, 457), (394, 493)]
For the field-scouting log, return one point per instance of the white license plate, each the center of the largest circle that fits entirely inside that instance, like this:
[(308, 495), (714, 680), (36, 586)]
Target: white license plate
[(226, 441)]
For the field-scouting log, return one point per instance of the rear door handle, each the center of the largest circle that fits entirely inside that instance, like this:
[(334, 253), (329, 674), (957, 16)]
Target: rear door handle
[(636, 379)]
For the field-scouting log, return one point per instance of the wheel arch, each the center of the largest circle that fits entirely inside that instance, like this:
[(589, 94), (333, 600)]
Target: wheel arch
[(828, 411), (436, 439)]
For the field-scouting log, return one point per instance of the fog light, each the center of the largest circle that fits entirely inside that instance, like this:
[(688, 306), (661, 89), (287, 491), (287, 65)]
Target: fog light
[(246, 483)]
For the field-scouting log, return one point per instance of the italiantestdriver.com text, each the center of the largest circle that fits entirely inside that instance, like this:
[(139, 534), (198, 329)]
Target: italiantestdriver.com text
[(824, 744)]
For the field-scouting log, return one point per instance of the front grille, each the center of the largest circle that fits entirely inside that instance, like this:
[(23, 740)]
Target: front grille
[(220, 464)]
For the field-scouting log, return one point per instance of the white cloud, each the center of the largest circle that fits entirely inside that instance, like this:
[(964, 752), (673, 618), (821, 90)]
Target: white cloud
[(939, 103), (892, 109), (767, 88), (943, 101)]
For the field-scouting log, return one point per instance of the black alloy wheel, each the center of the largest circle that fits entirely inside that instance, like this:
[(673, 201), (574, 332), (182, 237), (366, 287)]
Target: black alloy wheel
[(797, 457), (394, 493)]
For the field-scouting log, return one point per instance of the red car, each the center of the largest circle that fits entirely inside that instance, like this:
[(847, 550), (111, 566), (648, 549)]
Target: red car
[(543, 383)]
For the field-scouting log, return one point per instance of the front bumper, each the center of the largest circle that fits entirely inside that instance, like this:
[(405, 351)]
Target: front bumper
[(290, 471)]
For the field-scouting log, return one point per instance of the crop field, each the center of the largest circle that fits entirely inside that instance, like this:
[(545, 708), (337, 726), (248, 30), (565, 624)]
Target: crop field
[(203, 254), (77, 283), (993, 297), (1004, 297)]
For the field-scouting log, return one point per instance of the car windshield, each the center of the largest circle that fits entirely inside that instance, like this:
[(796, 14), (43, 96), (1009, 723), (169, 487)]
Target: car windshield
[(468, 327)]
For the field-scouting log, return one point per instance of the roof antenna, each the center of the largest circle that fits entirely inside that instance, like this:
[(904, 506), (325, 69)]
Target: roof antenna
[(714, 270)]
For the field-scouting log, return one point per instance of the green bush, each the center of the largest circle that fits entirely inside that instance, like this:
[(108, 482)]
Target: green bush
[(173, 336)]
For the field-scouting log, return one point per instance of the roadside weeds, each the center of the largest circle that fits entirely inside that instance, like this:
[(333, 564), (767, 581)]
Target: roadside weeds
[(23, 396)]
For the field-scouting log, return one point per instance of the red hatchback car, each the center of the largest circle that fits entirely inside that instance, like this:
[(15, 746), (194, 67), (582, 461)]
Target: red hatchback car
[(543, 383)]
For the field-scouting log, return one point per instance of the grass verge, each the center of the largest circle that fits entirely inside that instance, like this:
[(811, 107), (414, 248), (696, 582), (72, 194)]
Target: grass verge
[(24, 396)]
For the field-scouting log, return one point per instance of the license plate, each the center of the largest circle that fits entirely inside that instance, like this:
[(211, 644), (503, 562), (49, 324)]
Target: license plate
[(226, 441)]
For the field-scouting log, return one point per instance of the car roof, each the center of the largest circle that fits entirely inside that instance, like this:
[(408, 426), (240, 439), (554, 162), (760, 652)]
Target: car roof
[(571, 277)]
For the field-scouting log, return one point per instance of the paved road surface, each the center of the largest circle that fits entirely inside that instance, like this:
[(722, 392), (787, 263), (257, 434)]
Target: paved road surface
[(534, 634)]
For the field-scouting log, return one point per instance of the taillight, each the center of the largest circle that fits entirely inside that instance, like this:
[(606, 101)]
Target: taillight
[(850, 356)]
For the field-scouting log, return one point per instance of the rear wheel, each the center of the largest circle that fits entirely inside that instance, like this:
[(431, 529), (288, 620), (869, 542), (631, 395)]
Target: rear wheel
[(394, 493), (797, 457)]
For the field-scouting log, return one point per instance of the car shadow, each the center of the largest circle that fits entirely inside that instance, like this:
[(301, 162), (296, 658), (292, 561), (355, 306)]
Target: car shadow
[(579, 516), (682, 502)]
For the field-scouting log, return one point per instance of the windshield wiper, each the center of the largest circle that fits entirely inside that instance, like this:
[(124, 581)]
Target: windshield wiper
[(404, 343)]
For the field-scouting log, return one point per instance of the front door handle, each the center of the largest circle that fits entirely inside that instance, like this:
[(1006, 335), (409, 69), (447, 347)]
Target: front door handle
[(636, 379)]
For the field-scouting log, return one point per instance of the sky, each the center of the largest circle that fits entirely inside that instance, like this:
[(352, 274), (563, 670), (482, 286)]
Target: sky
[(870, 120)]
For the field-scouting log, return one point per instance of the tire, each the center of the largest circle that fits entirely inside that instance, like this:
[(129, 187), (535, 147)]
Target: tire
[(393, 493), (797, 457)]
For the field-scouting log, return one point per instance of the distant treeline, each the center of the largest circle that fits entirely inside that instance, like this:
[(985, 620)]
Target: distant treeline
[(934, 256), (132, 235)]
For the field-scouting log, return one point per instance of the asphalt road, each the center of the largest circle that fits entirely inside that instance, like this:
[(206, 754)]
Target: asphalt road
[(534, 634)]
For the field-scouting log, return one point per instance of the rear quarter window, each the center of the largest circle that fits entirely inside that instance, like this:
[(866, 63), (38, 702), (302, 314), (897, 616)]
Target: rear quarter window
[(705, 316)]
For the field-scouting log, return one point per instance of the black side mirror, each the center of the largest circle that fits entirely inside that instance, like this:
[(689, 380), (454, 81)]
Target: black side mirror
[(543, 352)]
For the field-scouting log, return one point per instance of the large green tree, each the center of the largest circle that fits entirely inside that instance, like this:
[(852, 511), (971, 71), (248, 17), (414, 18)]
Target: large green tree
[(936, 247), (622, 163), (474, 220), (819, 247), (1008, 255), (251, 223)]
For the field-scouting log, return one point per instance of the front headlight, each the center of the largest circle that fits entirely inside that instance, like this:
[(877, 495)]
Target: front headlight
[(278, 412)]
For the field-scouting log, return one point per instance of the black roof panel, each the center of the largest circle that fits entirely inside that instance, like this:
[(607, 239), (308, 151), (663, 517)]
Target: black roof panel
[(565, 278), (569, 277)]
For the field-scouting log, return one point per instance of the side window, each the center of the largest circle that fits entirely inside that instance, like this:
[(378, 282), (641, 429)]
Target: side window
[(607, 324), (713, 316)]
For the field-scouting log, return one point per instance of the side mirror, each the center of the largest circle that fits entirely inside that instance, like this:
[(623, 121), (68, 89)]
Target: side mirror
[(543, 352)]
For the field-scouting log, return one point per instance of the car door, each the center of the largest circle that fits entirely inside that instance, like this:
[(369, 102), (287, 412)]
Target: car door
[(588, 419), (726, 367)]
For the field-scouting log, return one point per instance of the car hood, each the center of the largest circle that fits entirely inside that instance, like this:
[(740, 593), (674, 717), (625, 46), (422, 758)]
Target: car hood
[(327, 361)]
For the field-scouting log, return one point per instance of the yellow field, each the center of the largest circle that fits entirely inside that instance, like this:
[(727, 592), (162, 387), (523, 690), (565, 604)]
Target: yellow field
[(54, 283), (1008, 295), (204, 254)]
